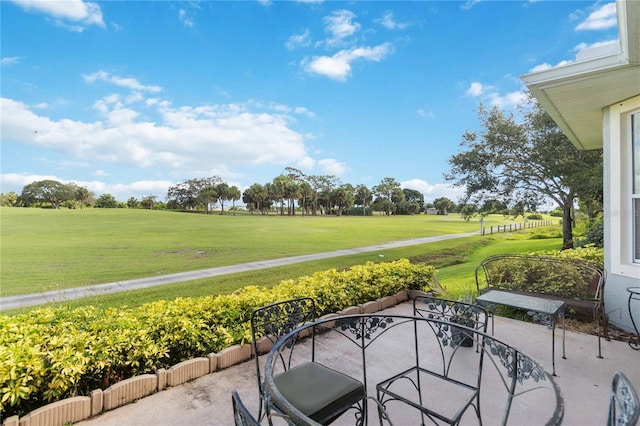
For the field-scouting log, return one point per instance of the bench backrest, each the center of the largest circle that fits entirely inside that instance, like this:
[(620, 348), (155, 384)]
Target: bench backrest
[(547, 275)]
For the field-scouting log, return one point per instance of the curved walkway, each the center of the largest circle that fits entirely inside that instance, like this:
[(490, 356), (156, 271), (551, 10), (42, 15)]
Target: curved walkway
[(24, 300)]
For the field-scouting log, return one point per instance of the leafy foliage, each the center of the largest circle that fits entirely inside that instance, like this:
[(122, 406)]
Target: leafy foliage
[(521, 162), (591, 254), (538, 277), (593, 235), (54, 353)]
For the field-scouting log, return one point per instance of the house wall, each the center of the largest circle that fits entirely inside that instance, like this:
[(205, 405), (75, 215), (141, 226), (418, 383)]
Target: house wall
[(615, 294)]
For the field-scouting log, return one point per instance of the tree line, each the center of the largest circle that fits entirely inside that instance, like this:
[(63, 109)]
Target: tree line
[(289, 193)]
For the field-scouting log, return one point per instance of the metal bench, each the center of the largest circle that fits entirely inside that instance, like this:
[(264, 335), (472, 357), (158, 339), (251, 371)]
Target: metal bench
[(577, 283)]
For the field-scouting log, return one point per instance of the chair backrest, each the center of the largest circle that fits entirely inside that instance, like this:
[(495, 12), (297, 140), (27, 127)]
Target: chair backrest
[(451, 338), (270, 323), (241, 415), (624, 408), (462, 313)]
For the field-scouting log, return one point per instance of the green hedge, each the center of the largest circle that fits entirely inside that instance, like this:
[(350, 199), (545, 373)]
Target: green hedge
[(594, 255), (562, 279), (53, 353)]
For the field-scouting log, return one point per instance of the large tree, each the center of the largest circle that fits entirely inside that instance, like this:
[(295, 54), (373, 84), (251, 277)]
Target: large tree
[(389, 189), (47, 191), (443, 204), (522, 162), (256, 197), (363, 197), (188, 195), (83, 196), (106, 201), (224, 193)]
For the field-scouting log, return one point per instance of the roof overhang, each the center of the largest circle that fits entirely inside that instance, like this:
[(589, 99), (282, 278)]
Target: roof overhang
[(575, 94)]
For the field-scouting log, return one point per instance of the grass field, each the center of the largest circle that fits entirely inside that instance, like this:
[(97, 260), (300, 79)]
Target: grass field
[(46, 250)]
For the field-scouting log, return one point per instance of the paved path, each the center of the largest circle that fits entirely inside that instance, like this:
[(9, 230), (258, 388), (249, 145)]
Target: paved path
[(23, 300)]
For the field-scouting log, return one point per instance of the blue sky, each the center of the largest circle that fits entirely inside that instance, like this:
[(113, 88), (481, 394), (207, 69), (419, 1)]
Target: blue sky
[(129, 98)]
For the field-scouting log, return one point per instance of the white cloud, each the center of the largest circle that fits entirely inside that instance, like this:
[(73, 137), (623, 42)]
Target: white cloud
[(490, 95), (126, 82), (426, 114), (298, 40), (597, 48), (332, 166), (10, 60), (509, 100), (469, 4), (433, 191), (388, 21), (340, 25), (546, 66), (476, 89), (338, 66), (185, 19), (586, 51), (75, 15), (601, 19), (186, 139)]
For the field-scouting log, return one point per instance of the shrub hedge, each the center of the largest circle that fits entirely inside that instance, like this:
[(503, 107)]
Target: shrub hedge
[(50, 354), (591, 254)]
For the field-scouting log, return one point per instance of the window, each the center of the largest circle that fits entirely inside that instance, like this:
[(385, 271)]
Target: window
[(624, 187), (635, 193)]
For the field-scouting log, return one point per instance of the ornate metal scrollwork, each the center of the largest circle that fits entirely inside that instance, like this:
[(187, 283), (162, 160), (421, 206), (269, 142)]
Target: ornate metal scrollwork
[(544, 319), (363, 326), (525, 367), (627, 404), (280, 319)]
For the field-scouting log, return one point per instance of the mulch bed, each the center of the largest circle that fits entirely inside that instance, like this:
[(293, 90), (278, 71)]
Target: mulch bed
[(591, 327)]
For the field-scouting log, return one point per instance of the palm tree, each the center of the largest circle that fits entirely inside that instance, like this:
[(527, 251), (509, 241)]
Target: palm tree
[(234, 195), (223, 194)]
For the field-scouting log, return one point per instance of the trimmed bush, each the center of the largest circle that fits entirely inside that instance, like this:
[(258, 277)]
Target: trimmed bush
[(594, 255), (50, 354)]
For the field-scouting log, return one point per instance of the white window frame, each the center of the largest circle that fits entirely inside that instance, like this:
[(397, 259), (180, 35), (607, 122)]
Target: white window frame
[(621, 237)]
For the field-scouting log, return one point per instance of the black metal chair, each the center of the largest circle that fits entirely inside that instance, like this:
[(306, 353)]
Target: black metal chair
[(321, 393), (624, 408), (468, 319), (241, 415)]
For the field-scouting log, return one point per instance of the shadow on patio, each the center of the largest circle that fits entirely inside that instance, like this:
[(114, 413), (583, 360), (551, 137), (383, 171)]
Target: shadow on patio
[(584, 381)]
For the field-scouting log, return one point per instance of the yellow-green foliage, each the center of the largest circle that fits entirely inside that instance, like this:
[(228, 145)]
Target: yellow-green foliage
[(53, 353), (594, 255)]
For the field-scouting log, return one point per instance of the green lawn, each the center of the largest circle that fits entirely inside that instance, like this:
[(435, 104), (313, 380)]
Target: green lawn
[(46, 250), (50, 249)]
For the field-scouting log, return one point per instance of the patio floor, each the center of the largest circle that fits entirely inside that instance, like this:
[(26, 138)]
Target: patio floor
[(584, 381)]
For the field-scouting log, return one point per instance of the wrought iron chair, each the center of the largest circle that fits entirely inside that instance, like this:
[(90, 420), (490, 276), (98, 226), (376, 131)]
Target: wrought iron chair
[(241, 415), (468, 319), (624, 408), (321, 393), (467, 314)]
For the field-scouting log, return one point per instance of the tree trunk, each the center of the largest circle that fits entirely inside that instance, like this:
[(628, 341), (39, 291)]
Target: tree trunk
[(567, 227)]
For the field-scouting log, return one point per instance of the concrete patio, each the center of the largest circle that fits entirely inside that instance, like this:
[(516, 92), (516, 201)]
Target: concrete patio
[(584, 381)]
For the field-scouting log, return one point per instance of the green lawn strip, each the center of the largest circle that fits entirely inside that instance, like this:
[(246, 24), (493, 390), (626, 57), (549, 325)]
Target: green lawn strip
[(455, 259), (44, 250), (460, 279)]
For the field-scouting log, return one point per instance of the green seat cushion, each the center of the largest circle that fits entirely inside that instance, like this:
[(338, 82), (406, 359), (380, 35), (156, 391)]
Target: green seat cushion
[(318, 391)]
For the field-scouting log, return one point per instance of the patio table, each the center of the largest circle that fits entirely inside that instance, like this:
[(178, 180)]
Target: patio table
[(543, 310), (634, 295), (415, 373)]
